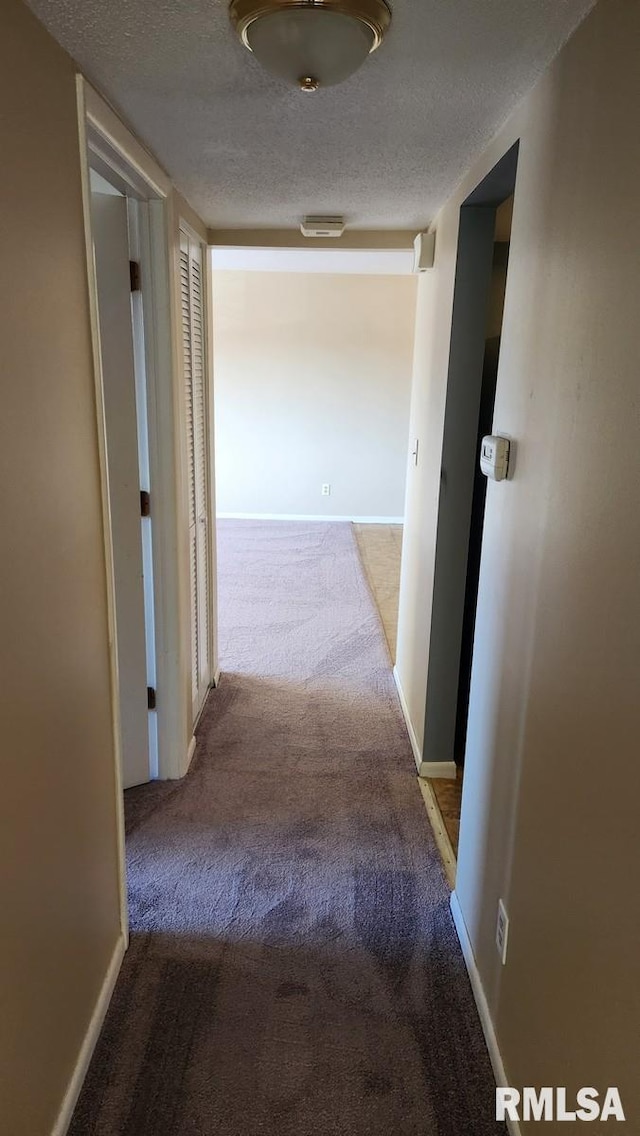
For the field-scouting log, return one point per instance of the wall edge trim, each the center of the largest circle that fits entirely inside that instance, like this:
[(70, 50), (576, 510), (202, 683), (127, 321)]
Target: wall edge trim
[(417, 753), (481, 1003), (90, 1039)]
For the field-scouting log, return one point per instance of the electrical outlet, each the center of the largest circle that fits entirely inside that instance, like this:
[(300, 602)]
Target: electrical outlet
[(502, 931), (326, 490)]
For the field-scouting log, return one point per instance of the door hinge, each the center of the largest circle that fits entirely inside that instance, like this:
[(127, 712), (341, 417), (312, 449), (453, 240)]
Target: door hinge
[(134, 275), (151, 698), (145, 503)]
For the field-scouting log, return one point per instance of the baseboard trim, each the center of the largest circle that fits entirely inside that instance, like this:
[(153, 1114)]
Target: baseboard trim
[(89, 1043), (444, 769), (216, 677), (309, 517), (190, 752), (481, 1003), (417, 753)]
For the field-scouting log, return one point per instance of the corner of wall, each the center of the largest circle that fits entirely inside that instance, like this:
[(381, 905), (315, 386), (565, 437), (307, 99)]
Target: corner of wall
[(413, 738)]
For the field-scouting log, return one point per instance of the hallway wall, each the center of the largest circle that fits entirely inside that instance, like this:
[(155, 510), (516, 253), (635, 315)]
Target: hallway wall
[(59, 811), (554, 698), (60, 900), (312, 382)]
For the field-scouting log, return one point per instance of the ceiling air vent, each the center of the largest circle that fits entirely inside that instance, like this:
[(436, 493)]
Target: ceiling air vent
[(322, 227)]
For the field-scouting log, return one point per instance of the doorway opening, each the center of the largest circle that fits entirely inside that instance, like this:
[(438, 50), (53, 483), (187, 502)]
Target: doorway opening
[(479, 295), (115, 224), (313, 353), (132, 272)]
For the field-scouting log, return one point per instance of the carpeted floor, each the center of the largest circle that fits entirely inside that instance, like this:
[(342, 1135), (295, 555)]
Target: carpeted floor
[(293, 968)]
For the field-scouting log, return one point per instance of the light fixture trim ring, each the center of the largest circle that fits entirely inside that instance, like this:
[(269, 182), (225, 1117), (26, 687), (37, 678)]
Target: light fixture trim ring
[(376, 14)]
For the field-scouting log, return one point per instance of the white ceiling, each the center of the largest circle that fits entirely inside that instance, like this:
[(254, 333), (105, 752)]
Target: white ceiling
[(385, 149)]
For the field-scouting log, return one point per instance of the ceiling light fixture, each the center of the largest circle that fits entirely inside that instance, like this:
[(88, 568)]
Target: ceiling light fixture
[(311, 43)]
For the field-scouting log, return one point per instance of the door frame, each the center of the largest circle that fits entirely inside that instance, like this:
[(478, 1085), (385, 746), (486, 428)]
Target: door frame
[(464, 383), (125, 421), (107, 146)]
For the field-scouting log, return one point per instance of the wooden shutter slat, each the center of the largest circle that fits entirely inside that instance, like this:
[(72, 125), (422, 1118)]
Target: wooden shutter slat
[(191, 298)]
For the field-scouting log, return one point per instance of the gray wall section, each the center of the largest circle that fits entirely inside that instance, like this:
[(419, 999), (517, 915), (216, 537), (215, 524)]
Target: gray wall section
[(470, 308)]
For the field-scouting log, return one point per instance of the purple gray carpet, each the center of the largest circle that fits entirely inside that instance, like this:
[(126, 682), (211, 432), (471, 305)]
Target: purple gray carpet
[(293, 968)]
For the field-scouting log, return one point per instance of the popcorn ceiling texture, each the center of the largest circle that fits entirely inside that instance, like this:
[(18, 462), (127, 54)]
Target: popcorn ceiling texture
[(385, 149)]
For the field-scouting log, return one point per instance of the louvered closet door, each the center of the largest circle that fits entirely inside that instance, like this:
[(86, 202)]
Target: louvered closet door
[(192, 298)]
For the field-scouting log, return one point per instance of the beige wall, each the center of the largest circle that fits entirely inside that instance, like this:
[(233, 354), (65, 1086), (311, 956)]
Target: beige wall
[(60, 875), (312, 382), (60, 898), (552, 777)]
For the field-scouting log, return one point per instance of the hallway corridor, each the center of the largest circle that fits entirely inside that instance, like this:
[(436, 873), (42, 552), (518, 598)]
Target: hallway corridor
[(293, 968)]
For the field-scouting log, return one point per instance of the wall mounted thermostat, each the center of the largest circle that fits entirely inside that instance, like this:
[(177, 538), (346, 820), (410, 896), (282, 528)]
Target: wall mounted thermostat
[(494, 457)]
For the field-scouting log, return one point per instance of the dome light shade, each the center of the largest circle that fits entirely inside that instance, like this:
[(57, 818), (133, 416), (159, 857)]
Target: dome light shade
[(311, 44)]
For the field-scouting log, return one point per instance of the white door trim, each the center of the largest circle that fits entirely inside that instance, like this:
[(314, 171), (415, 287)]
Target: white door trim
[(167, 509), (106, 515), (106, 143), (117, 145)]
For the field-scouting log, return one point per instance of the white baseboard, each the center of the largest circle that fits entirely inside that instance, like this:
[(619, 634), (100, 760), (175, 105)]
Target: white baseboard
[(481, 1002), (444, 769), (417, 752), (216, 677), (308, 517), (190, 752), (89, 1043)]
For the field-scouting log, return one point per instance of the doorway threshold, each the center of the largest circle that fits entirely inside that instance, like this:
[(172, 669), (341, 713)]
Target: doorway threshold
[(442, 839)]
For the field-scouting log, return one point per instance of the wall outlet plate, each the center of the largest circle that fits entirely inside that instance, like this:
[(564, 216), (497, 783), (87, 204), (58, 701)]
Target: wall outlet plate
[(502, 931), (326, 490)]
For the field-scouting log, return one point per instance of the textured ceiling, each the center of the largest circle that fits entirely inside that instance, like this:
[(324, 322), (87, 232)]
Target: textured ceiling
[(385, 148)]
